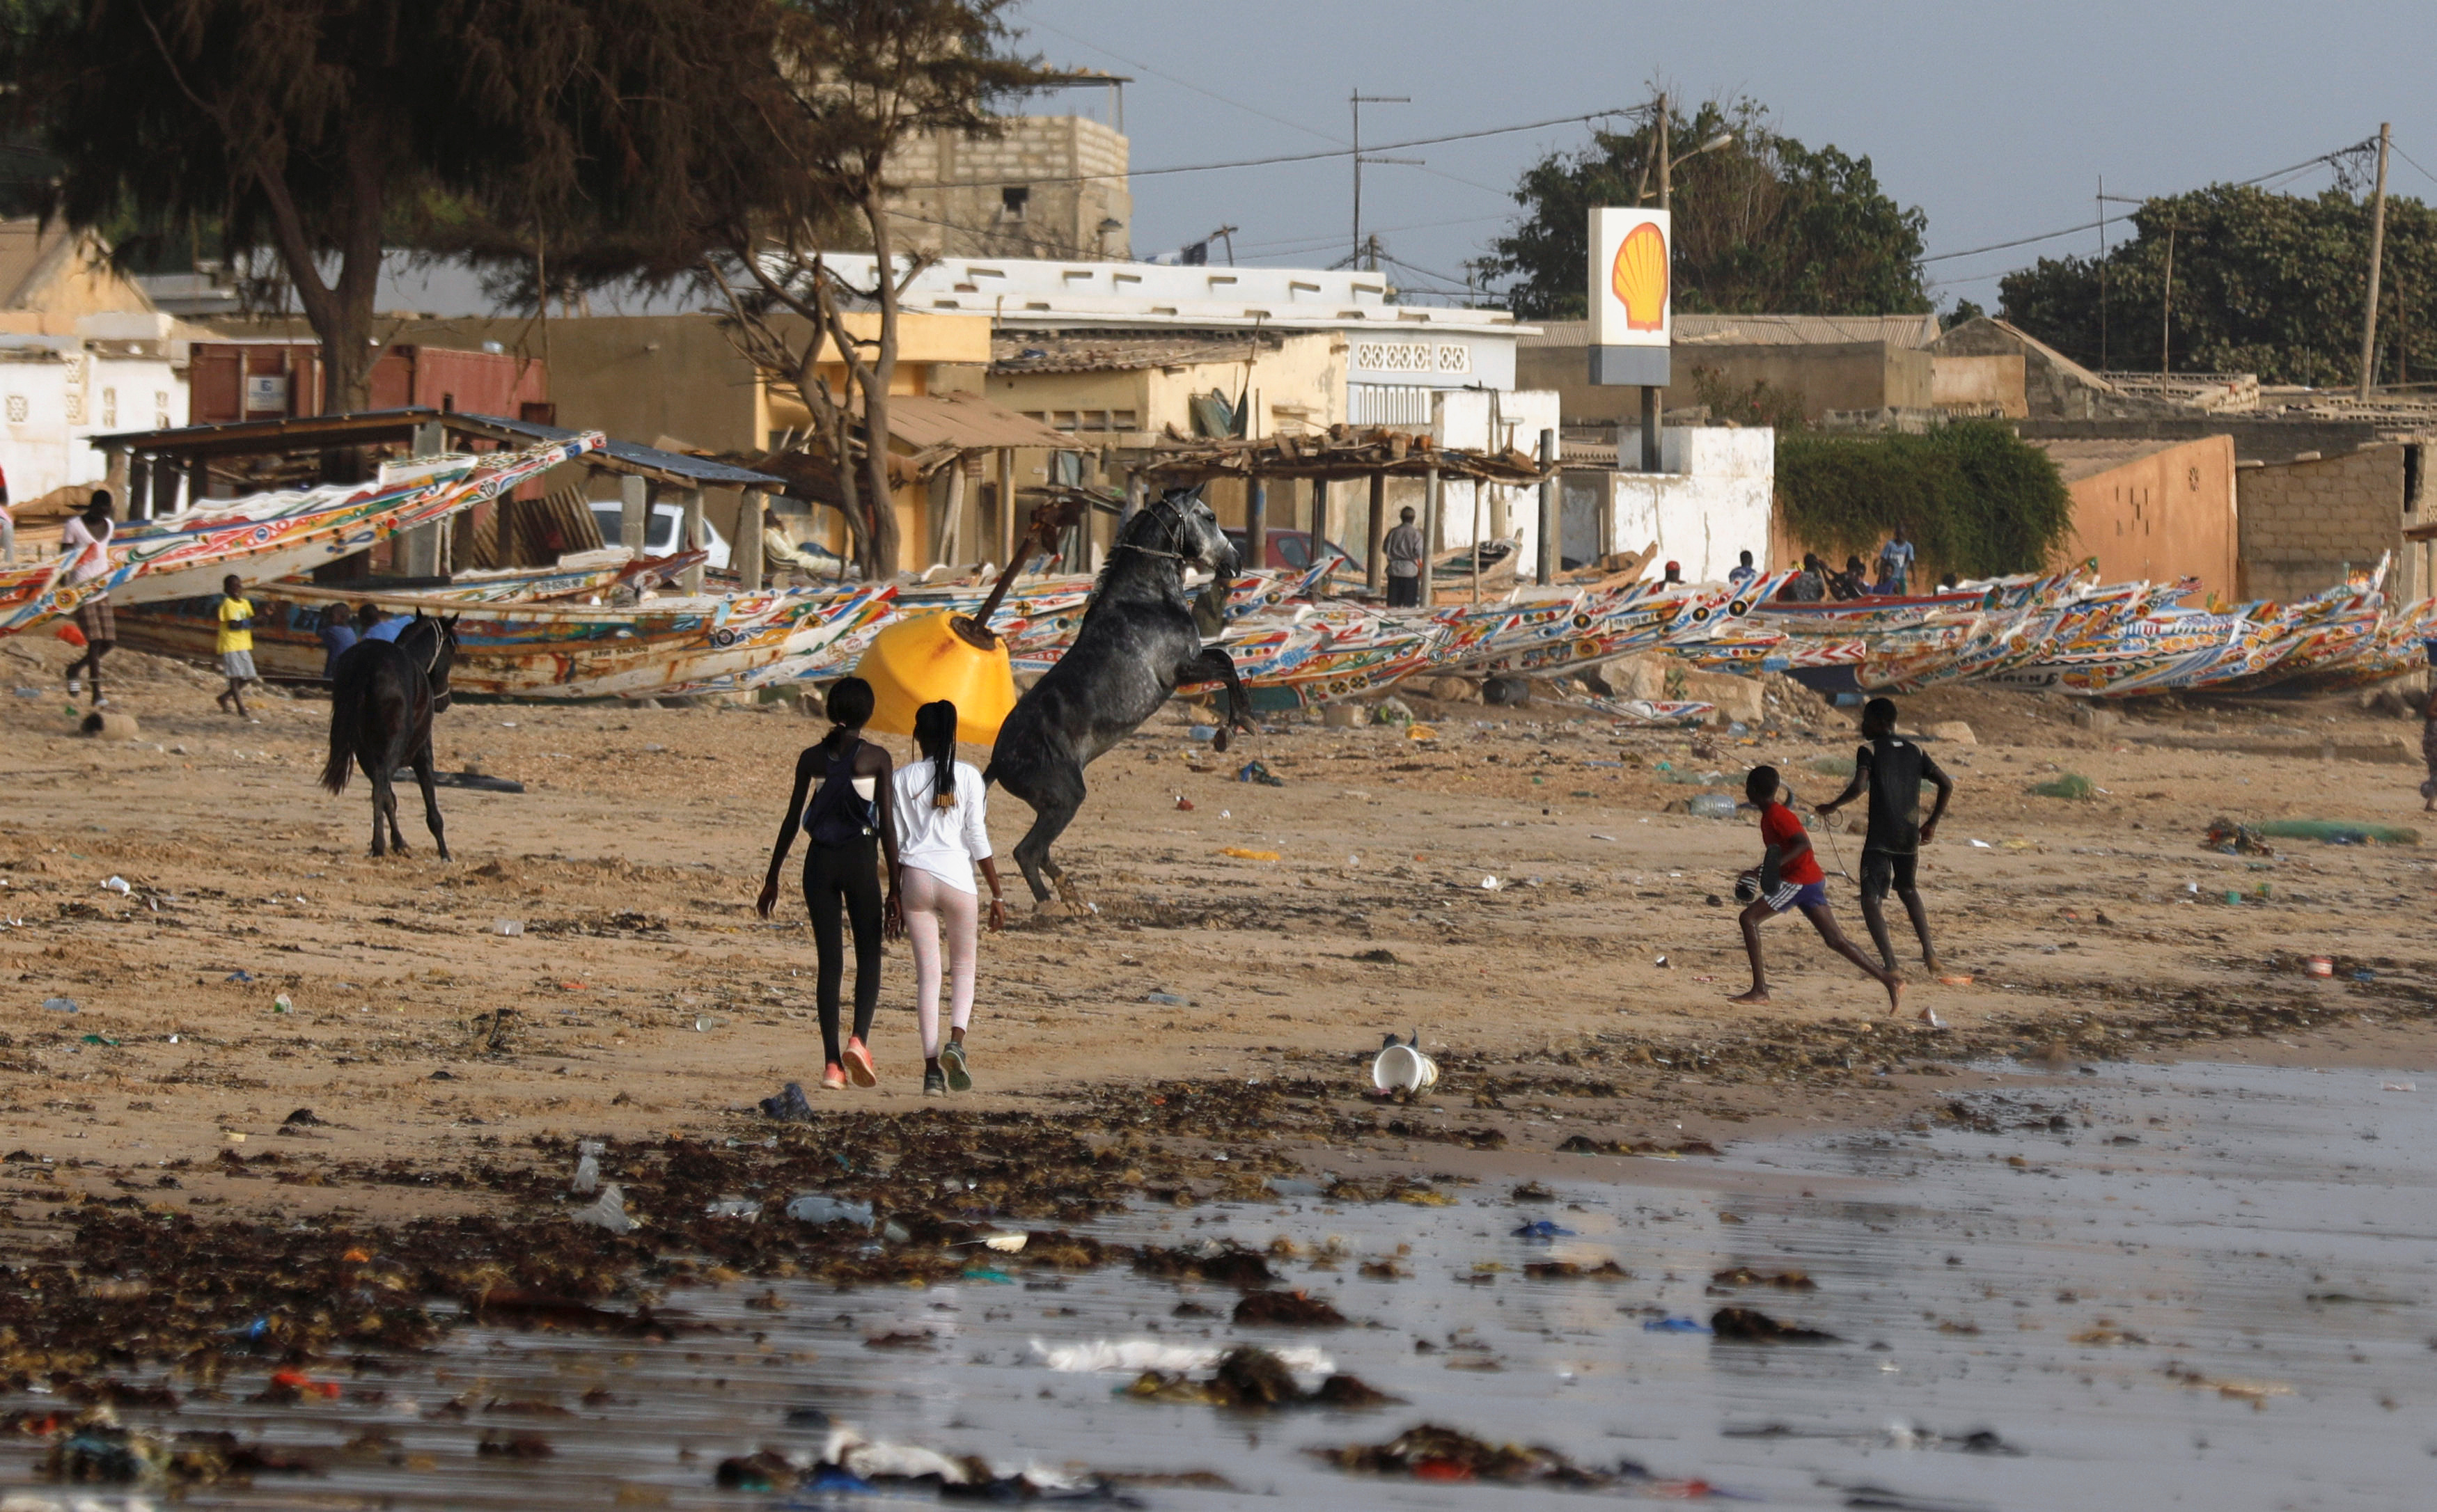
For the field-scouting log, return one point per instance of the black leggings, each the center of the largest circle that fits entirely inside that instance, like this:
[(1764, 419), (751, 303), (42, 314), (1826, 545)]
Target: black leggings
[(849, 874)]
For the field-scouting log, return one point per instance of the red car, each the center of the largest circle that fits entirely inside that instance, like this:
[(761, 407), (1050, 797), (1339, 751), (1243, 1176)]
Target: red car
[(1288, 550)]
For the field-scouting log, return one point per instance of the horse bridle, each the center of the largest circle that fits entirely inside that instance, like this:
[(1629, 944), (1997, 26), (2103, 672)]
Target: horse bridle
[(1166, 511)]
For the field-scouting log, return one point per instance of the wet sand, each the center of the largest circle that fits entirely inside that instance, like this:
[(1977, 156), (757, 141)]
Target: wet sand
[(449, 1068)]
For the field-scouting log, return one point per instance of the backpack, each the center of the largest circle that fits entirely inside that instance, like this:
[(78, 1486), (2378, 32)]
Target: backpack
[(839, 815)]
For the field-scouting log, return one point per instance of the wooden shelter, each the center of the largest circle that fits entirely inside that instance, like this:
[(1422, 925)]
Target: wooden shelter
[(1341, 454), (150, 467)]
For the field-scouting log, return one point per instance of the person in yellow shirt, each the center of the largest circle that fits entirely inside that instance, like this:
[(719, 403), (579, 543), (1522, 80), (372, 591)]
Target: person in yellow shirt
[(236, 646)]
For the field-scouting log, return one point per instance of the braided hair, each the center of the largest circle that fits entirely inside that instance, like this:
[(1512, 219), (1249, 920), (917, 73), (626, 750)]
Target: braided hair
[(934, 734)]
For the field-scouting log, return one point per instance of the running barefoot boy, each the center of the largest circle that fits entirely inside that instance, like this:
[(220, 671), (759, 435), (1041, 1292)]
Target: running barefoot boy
[(1893, 770), (1789, 876)]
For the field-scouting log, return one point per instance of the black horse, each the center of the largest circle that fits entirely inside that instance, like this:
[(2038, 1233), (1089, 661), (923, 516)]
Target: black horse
[(382, 697), (1138, 643)]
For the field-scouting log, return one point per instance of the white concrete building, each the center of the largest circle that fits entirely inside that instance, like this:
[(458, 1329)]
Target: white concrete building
[(1395, 357), (56, 391), (1484, 421), (83, 353), (1714, 498)]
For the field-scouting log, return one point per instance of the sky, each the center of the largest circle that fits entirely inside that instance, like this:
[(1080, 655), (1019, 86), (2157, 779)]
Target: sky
[(1998, 119)]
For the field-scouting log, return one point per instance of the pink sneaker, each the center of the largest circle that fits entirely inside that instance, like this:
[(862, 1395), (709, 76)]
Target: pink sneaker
[(832, 1078), (858, 1065)]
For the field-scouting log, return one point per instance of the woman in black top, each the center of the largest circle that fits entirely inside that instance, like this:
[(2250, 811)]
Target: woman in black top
[(848, 829)]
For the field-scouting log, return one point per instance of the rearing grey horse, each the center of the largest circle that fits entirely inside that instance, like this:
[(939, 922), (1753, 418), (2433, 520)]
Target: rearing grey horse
[(1137, 645)]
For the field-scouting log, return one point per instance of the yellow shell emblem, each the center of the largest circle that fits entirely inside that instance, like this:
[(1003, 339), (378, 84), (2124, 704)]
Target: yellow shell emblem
[(1639, 277)]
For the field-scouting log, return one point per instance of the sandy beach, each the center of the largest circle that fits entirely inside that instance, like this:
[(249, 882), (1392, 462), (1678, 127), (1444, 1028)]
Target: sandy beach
[(309, 1104), (1515, 888)]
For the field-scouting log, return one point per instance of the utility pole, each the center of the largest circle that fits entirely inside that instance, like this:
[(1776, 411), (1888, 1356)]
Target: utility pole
[(1650, 457), (2376, 255), (1361, 99), (2102, 272), (2166, 314)]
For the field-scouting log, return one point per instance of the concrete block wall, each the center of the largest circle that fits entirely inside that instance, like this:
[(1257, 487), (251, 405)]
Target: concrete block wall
[(1073, 167), (2305, 522)]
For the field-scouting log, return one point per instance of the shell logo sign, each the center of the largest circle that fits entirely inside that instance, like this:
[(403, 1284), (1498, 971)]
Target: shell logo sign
[(1629, 281), (1639, 277)]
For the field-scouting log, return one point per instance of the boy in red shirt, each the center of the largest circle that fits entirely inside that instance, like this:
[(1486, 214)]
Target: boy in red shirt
[(1789, 876)]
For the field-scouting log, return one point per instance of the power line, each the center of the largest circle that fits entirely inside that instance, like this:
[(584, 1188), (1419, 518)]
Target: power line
[(1288, 157), (1251, 110), (1186, 83), (2094, 225), (1315, 241), (2423, 172)]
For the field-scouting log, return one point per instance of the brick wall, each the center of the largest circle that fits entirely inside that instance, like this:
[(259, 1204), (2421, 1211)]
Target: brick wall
[(2304, 523)]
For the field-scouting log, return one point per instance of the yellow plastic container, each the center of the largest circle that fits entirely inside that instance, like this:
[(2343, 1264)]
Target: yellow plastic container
[(920, 661)]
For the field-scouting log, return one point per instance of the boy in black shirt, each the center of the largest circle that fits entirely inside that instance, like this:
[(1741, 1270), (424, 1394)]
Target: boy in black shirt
[(1893, 770)]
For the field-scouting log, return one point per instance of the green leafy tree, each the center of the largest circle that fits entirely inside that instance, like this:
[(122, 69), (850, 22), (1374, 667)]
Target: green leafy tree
[(333, 131), (1763, 225), (2269, 284)]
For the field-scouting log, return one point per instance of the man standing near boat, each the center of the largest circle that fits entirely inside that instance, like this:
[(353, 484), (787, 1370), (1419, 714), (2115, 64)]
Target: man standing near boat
[(1895, 563), (1403, 548)]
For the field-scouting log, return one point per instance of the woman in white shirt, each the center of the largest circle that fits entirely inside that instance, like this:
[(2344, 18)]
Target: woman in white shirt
[(941, 836)]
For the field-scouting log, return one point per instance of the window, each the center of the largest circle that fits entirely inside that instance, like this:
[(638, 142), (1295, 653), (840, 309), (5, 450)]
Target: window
[(1014, 199), (76, 406), (17, 409), (110, 406)]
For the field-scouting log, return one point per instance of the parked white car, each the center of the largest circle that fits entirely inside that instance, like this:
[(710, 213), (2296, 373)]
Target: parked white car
[(659, 530)]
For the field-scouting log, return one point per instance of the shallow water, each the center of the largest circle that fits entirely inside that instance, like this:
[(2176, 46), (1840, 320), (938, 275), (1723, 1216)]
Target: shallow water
[(2234, 1311)]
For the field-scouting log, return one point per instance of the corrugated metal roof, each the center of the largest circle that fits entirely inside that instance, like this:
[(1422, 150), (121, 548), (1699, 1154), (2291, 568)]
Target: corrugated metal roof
[(1095, 351), (1763, 330), (652, 460)]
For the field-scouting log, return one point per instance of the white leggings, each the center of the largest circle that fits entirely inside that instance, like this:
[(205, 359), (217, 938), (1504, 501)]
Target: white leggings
[(927, 902)]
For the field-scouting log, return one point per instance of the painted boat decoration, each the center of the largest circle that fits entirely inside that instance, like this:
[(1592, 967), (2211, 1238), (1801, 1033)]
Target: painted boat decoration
[(288, 645), (540, 649), (276, 535)]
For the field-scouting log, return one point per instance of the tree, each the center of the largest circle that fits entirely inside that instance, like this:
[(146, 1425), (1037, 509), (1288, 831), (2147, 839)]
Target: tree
[(864, 77), (1763, 225), (2267, 284), (1973, 497), (335, 129)]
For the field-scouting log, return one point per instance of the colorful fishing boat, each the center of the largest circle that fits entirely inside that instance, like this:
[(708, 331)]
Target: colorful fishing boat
[(288, 634), (277, 535)]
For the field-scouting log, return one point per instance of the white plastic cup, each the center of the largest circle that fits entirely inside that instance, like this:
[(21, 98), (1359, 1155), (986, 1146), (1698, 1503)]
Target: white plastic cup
[(1403, 1068)]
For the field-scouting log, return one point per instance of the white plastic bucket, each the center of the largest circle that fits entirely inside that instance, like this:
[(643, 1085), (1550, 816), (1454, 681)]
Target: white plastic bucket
[(1403, 1068)]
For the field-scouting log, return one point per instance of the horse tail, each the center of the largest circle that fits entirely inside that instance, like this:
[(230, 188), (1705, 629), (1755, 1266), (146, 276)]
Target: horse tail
[(346, 700)]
